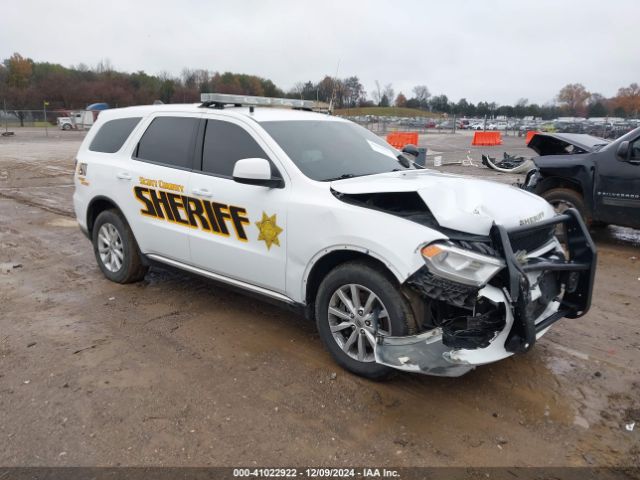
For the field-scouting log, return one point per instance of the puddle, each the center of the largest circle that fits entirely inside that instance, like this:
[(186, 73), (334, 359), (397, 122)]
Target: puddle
[(618, 235), (626, 235), (559, 366)]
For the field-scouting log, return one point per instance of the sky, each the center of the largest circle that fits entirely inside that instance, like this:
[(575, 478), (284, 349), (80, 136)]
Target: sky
[(482, 50)]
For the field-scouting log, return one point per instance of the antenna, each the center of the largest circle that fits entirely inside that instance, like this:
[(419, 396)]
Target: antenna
[(335, 83)]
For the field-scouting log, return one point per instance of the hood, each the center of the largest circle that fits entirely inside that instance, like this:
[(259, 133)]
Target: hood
[(458, 203), (565, 143)]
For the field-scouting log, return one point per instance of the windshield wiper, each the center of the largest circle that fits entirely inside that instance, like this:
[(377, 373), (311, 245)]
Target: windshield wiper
[(341, 177)]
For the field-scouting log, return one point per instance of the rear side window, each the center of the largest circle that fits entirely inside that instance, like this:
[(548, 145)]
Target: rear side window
[(224, 144), (113, 134), (168, 140)]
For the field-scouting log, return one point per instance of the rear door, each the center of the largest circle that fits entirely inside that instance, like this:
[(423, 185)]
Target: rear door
[(243, 234), (153, 183), (617, 189)]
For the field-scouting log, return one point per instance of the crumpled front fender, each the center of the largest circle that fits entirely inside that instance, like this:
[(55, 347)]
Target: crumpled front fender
[(427, 354)]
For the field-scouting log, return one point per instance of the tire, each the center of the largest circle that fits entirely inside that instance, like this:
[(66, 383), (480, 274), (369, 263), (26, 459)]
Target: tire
[(368, 280), (567, 198), (116, 249), (66, 126)]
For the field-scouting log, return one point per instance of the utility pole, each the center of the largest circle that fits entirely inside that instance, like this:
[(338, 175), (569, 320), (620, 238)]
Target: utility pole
[(44, 113)]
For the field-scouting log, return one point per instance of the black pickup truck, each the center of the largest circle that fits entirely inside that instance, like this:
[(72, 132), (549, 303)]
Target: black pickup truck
[(601, 179)]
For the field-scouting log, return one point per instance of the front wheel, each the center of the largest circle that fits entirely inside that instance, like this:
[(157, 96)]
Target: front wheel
[(562, 199), (354, 299)]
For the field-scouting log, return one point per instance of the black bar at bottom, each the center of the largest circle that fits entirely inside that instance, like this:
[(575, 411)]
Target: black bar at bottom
[(621, 472)]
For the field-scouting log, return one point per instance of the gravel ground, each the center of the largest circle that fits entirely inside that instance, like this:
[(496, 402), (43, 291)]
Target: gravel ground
[(176, 370)]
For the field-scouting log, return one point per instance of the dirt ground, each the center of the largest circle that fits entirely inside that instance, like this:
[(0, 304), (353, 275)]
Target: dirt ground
[(177, 370)]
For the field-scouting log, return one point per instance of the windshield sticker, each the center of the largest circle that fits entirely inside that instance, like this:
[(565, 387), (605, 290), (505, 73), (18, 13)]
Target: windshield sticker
[(381, 149)]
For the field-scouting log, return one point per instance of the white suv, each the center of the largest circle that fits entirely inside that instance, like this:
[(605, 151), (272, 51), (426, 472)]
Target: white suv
[(401, 267)]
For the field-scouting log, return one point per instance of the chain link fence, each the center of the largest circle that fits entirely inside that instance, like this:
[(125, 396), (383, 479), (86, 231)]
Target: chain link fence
[(30, 118), (381, 125), (34, 123), (438, 124)]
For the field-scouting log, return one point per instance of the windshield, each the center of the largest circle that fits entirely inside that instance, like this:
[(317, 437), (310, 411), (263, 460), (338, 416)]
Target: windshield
[(330, 150)]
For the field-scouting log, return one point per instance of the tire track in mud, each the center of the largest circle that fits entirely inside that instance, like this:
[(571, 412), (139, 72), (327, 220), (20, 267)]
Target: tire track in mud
[(20, 198)]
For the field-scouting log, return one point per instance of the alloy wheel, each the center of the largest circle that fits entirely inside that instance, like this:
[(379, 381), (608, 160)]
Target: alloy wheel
[(353, 314), (110, 247)]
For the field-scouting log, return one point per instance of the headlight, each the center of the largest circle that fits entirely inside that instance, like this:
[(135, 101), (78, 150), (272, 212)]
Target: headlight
[(460, 265)]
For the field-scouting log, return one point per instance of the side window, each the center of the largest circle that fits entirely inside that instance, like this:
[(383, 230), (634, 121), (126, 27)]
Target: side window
[(224, 144), (113, 134), (168, 140), (635, 150)]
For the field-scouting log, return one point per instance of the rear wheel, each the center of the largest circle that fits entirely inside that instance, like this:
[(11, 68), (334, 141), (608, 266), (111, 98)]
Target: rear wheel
[(116, 249), (352, 299)]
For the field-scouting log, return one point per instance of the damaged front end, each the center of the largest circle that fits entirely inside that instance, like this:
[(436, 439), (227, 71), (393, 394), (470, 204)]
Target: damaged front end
[(486, 300)]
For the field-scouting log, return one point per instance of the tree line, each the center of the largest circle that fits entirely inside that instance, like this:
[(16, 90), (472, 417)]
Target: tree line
[(26, 84)]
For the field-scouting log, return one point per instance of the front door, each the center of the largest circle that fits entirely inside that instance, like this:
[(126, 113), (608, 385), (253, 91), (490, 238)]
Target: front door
[(242, 231), (617, 187)]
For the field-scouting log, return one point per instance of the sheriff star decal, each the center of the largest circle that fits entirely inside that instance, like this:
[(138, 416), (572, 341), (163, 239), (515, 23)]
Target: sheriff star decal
[(269, 230)]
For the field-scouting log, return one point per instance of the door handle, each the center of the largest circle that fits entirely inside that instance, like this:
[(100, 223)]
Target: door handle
[(202, 192), (123, 176)]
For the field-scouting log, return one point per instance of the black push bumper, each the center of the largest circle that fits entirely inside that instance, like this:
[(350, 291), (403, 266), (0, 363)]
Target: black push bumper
[(576, 273)]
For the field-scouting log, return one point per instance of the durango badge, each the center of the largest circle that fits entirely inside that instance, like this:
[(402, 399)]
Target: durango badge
[(269, 230)]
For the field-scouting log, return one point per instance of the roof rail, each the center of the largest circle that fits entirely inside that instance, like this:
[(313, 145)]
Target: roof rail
[(220, 100)]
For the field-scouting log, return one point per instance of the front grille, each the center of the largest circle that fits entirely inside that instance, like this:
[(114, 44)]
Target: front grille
[(530, 240), (438, 288)]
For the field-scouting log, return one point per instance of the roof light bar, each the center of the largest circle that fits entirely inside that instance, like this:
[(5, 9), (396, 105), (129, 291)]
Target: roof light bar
[(221, 99)]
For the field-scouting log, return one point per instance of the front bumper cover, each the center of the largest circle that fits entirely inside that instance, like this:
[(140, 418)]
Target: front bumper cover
[(426, 352)]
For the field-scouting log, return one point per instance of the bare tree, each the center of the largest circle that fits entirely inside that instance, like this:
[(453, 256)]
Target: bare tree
[(104, 66), (628, 99), (298, 90), (521, 107), (188, 78), (422, 95), (389, 92), (376, 94), (353, 91), (574, 97), (202, 77)]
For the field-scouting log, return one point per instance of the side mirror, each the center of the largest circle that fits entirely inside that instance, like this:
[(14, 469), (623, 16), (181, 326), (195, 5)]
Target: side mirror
[(623, 151), (411, 150), (255, 171)]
